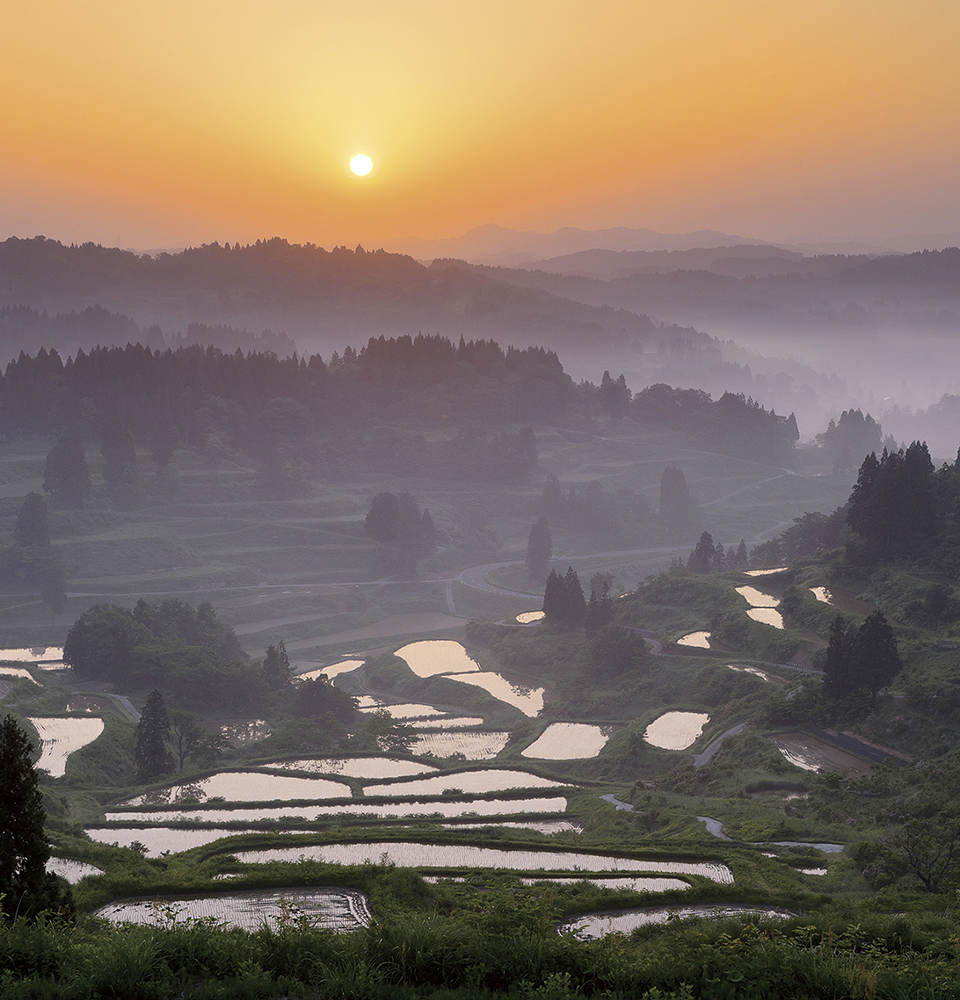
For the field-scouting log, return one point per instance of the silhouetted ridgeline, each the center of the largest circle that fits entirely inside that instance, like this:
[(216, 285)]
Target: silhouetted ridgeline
[(322, 298)]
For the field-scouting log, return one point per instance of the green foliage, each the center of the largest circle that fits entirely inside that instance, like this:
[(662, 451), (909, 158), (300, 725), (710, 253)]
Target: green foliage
[(151, 752)]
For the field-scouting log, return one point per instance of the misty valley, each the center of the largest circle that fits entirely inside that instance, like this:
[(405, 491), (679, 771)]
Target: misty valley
[(556, 653)]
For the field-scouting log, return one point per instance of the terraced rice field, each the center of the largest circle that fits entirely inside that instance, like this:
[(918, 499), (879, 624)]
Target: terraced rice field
[(527, 700), (421, 855), (453, 742), (568, 741), (468, 782), (437, 656), (330, 908), (699, 640), (246, 786), (355, 767), (676, 730), (21, 673), (62, 736), (592, 926)]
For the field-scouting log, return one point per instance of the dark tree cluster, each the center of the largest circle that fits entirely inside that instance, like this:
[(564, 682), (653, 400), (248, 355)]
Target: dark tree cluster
[(711, 557), (172, 647), (861, 660), (846, 441), (589, 509), (563, 601), (734, 424), (403, 534), (31, 560)]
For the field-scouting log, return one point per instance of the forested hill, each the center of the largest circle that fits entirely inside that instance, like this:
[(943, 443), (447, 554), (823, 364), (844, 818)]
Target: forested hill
[(304, 412), (321, 299)]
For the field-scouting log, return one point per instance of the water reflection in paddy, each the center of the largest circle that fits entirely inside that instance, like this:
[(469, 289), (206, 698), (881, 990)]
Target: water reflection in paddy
[(33, 654), (766, 616), (436, 656), (309, 813), (330, 671), (470, 746), (246, 786), (568, 741), (332, 909), (158, 839), (448, 722), (764, 572), (18, 672), (591, 926), (355, 767), (757, 598), (469, 782), (675, 730), (822, 595), (60, 737), (420, 855), (528, 700), (700, 640), (245, 731), (529, 616), (72, 870), (764, 675)]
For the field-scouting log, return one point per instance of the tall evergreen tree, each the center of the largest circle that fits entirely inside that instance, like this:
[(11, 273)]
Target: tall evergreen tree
[(703, 556), (554, 598), (539, 549), (276, 667), (65, 474), (877, 658), (24, 849), (151, 752), (574, 603)]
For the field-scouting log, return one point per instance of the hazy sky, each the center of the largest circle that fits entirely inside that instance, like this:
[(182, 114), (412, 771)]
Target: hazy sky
[(154, 123)]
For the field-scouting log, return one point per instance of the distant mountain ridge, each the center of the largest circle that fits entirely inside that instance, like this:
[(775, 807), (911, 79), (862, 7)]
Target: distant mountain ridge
[(492, 244)]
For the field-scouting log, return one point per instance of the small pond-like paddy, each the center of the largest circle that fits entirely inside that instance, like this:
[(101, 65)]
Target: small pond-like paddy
[(246, 786), (468, 782), (60, 737), (420, 855), (330, 671), (699, 640), (437, 656), (757, 598), (766, 616), (568, 741), (591, 926), (764, 572), (72, 870), (330, 908), (676, 730), (527, 617)]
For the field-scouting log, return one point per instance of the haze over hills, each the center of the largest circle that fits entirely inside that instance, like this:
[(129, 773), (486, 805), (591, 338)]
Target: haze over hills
[(496, 245)]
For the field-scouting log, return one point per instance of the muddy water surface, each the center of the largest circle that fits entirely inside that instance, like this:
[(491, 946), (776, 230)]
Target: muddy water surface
[(569, 741), (676, 730)]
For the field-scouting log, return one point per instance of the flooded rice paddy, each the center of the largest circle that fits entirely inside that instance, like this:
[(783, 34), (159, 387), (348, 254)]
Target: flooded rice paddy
[(355, 767), (764, 572), (766, 616), (676, 730), (467, 782), (452, 722), (528, 700), (757, 598), (592, 926), (246, 786), (568, 741), (437, 656), (469, 746), (408, 710), (812, 754), (72, 870), (330, 671), (21, 673), (331, 908), (60, 737), (764, 675), (311, 813), (699, 640), (527, 617), (33, 654), (822, 594), (421, 855), (165, 839)]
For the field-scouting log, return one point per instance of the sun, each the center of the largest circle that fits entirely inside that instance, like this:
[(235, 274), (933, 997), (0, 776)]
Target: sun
[(361, 165)]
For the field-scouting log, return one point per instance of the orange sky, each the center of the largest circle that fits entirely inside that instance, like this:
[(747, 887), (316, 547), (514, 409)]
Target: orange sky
[(149, 123)]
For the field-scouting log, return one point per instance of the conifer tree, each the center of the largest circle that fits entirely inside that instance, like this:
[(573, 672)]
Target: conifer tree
[(151, 752), (24, 849)]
